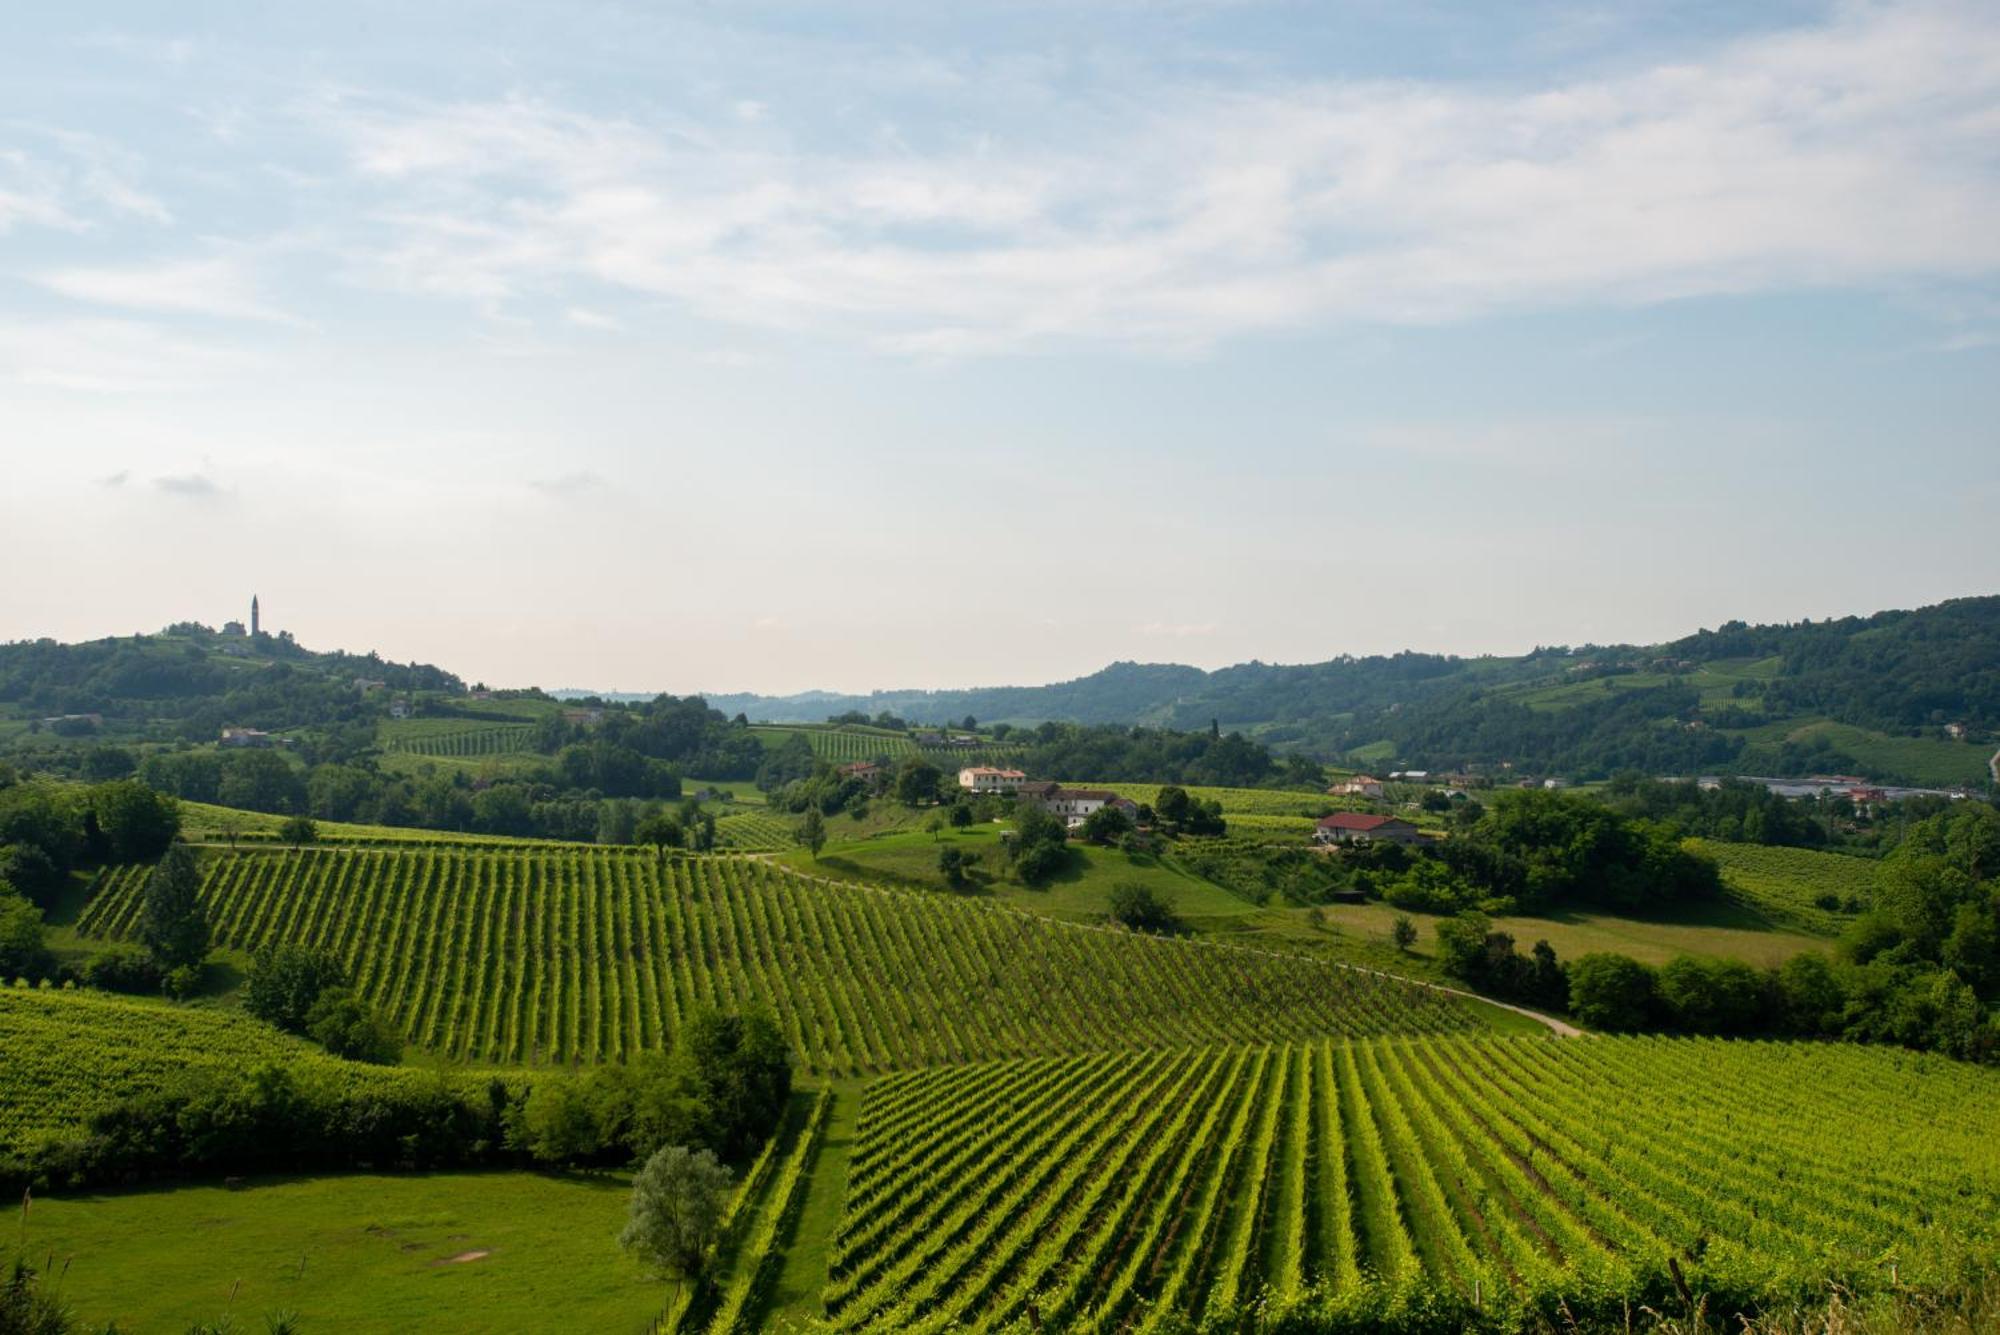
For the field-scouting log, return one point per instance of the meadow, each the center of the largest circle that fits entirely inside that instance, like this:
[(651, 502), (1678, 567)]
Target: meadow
[(576, 953), (1384, 1183), (380, 1253)]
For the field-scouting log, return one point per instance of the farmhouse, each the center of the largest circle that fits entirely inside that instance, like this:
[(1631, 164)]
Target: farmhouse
[(246, 737), (583, 718), (865, 770), (1351, 827), (986, 779), (399, 709), (1361, 785), (1075, 805)]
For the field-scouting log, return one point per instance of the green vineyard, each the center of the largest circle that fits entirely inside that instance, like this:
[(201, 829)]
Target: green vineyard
[(1796, 887), (846, 745), (70, 1053), (591, 954), (755, 832), (457, 740), (1374, 1182)]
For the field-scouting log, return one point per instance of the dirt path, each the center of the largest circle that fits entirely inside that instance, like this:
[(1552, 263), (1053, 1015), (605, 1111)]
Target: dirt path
[(1994, 765)]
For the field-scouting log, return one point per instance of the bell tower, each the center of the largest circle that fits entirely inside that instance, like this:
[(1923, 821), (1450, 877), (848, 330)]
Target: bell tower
[(253, 614)]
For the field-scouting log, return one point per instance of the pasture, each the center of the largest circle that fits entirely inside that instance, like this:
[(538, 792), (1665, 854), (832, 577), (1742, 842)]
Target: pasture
[(365, 1252)]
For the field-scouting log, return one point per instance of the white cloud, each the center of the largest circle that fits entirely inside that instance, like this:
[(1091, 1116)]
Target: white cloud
[(217, 286), (68, 181), (1856, 153), (100, 356)]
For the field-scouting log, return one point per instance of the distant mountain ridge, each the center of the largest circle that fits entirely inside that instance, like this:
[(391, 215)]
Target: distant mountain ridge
[(1900, 695)]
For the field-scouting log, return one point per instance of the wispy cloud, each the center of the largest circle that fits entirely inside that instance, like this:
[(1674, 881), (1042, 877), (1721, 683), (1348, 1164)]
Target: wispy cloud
[(67, 180), (193, 486), (111, 356), (568, 484), (218, 286), (1854, 153)]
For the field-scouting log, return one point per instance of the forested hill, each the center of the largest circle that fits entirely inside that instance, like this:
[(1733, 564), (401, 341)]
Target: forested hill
[(191, 681), (1884, 696)]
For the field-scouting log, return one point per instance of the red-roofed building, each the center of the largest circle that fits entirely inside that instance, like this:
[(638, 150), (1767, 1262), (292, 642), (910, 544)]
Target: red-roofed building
[(987, 779), (1353, 827)]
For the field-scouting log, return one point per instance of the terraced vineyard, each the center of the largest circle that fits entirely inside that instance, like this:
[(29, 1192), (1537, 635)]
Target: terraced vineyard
[(1347, 1184), (591, 954), (71, 1053), (1795, 887), (459, 740)]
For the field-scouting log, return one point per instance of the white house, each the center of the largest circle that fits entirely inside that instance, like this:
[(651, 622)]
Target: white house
[(1076, 805), (1361, 785), (987, 779), (245, 737), (1352, 827)]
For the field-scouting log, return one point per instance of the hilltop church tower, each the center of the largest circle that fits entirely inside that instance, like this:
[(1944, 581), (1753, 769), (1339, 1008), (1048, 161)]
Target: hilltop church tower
[(253, 614)]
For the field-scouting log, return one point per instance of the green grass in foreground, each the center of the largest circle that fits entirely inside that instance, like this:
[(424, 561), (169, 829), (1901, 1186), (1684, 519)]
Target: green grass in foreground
[(493, 1251)]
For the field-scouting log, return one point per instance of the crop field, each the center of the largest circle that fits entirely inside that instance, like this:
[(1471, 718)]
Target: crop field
[(755, 832), (1797, 887), (204, 823), (69, 1053), (1351, 1183), (579, 954), (457, 738)]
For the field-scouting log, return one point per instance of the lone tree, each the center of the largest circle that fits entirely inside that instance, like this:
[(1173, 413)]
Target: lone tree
[(173, 926), (298, 831), (676, 1212), (1403, 931), (812, 832), (661, 831)]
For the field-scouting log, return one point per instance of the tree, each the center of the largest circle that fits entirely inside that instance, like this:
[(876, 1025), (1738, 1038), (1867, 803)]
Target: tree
[(1612, 992), (1171, 805), (961, 815), (954, 863), (298, 831), (934, 825), (286, 982), (1462, 945), (676, 1211), (172, 925), (23, 946), (1403, 931), (660, 830), (1143, 909), (345, 1026), (137, 822), (811, 832), (917, 781), (1106, 825)]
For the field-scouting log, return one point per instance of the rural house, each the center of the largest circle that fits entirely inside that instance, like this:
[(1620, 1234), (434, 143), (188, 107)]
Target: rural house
[(987, 779), (1352, 827), (1361, 785), (245, 737), (1075, 805)]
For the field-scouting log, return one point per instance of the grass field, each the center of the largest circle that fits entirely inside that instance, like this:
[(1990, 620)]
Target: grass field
[(588, 954), (364, 1253), (1786, 885), (1355, 1180)]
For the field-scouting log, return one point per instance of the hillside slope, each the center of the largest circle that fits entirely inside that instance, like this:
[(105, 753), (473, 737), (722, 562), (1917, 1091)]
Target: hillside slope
[(1909, 696)]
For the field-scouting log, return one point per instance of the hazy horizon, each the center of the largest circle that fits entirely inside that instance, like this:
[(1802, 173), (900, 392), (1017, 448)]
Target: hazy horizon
[(769, 349)]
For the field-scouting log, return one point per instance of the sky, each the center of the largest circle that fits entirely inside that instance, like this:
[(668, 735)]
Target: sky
[(774, 346)]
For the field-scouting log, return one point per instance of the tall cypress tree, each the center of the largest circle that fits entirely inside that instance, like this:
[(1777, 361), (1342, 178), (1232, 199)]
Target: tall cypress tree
[(173, 926)]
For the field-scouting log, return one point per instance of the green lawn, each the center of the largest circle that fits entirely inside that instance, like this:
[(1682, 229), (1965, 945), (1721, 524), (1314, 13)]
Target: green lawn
[(495, 1251)]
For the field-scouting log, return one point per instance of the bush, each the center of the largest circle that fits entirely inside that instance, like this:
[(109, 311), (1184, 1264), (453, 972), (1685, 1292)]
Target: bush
[(1611, 992), (1140, 908), (122, 969), (286, 982), (345, 1026), (182, 981)]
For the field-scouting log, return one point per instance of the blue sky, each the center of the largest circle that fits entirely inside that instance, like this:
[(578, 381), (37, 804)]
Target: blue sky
[(775, 346)]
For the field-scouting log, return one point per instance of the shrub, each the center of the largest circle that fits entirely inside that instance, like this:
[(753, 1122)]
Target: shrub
[(1142, 909), (122, 969)]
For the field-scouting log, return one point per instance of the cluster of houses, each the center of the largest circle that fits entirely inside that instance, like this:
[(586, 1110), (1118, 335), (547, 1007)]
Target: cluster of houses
[(1073, 805)]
